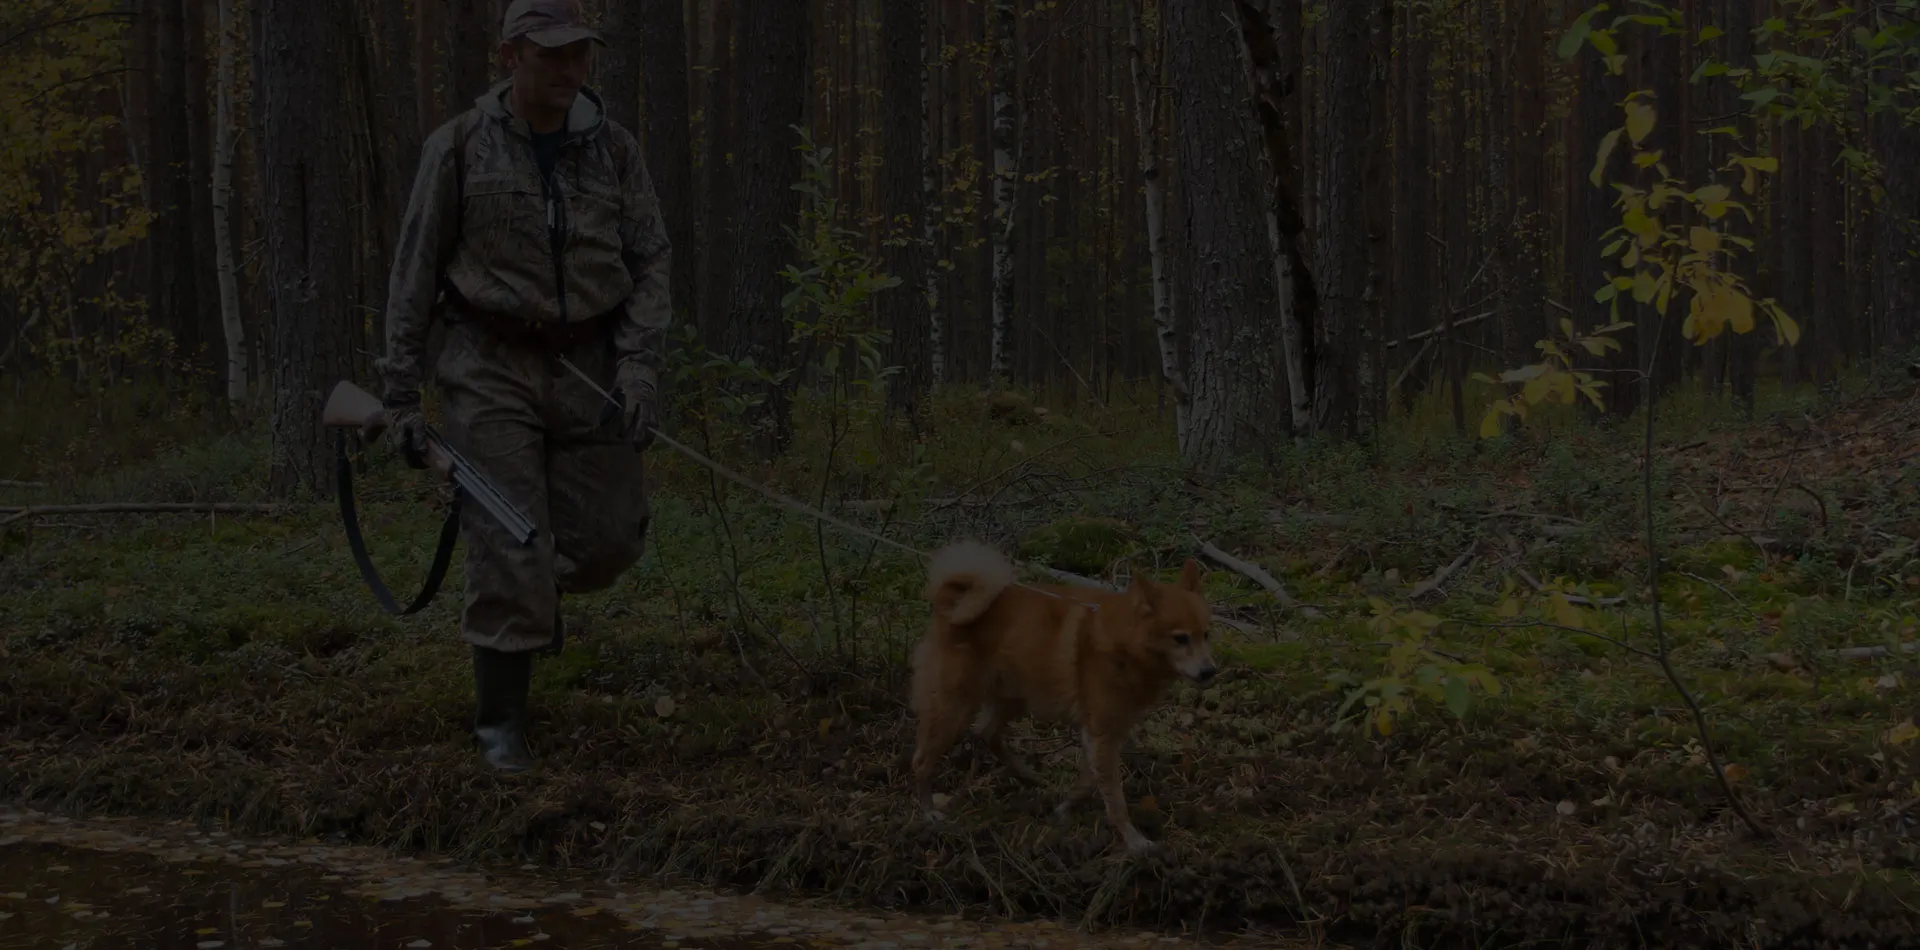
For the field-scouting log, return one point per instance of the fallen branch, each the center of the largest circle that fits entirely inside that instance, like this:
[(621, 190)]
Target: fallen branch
[(1259, 576), (14, 514), (1440, 576), (1574, 599)]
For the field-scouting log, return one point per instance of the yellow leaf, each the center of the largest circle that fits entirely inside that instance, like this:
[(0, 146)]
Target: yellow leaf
[(1902, 733), (1606, 148), (1644, 287), (1735, 772), (1739, 309), (1640, 118), (826, 725), (1703, 240), (1383, 721)]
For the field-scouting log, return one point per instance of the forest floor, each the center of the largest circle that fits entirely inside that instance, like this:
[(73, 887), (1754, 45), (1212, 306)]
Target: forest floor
[(731, 714)]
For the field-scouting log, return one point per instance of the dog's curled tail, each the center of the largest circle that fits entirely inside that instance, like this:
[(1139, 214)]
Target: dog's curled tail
[(964, 580)]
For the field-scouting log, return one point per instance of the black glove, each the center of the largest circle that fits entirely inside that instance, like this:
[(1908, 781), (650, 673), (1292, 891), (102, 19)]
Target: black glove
[(407, 432), (639, 413)]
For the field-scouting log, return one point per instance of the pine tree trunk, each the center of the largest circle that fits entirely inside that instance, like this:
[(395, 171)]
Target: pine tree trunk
[(770, 98), (903, 312), (933, 210), (308, 195), (1267, 73), (200, 174), (1005, 138), (471, 41), (1231, 379), (669, 137), (175, 302), (1342, 271), (226, 263), (1896, 226)]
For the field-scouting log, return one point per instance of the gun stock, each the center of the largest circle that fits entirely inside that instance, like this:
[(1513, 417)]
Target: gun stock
[(349, 406)]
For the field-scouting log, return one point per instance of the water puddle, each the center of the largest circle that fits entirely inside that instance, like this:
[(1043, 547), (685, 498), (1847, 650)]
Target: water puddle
[(68, 883)]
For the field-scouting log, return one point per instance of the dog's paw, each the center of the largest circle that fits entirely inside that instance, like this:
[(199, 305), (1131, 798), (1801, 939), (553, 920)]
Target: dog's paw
[(1138, 843)]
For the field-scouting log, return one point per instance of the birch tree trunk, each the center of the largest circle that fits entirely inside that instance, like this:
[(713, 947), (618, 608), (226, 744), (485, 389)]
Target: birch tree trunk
[(1005, 137), (225, 263), (1146, 116)]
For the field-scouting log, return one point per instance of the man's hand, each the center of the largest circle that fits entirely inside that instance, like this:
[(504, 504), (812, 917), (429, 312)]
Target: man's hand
[(640, 413), (407, 433)]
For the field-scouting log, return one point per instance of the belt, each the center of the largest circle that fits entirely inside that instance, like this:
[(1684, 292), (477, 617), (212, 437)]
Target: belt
[(551, 334)]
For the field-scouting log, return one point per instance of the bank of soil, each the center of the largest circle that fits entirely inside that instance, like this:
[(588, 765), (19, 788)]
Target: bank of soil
[(171, 886)]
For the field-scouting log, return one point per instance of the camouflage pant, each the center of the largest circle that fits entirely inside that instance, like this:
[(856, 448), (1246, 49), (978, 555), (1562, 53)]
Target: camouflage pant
[(533, 427)]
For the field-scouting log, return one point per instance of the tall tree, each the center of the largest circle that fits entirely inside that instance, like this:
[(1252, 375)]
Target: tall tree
[(1342, 270), (306, 211), (1147, 96), (226, 262), (175, 304), (647, 50), (667, 135), (905, 313), (1006, 139), (769, 101), (1229, 375)]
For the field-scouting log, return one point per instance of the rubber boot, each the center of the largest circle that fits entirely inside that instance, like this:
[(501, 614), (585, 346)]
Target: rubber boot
[(500, 683)]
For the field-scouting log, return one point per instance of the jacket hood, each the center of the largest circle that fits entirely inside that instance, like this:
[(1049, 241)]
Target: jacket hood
[(587, 117)]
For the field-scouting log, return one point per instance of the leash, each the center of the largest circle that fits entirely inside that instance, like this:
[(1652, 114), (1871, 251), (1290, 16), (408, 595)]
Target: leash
[(783, 500)]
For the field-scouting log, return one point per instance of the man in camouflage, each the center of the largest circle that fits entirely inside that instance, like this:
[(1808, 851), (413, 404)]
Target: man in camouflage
[(534, 223)]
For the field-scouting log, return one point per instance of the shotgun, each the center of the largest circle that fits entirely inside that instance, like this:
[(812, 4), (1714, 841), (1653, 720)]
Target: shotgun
[(349, 406)]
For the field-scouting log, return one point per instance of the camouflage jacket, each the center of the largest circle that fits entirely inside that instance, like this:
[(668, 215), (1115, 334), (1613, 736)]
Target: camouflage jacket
[(494, 249)]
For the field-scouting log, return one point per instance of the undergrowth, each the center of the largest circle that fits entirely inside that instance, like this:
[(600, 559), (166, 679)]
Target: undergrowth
[(732, 712)]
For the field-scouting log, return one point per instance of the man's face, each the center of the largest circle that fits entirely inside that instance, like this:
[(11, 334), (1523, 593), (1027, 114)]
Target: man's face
[(549, 76)]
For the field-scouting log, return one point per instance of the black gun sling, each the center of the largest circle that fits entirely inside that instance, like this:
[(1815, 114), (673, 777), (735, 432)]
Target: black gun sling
[(449, 532)]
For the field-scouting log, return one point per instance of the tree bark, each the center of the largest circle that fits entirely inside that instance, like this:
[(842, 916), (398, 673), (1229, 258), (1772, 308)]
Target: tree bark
[(668, 137), (1896, 227), (1343, 262), (1268, 75), (933, 209), (471, 41), (903, 312), (226, 262), (1231, 380), (770, 97), (175, 306), (1005, 137), (200, 174), (1147, 98), (306, 208)]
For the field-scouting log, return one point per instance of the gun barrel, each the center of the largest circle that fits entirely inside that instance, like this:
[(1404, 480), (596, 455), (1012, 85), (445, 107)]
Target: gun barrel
[(482, 490)]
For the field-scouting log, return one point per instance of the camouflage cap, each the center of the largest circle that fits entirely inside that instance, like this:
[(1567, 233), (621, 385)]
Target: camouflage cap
[(547, 22)]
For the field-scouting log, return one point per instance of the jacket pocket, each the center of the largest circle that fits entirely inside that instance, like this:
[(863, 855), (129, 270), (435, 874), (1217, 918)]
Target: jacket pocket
[(504, 232)]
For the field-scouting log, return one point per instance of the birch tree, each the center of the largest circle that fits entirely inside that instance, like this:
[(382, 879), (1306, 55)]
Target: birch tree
[(1146, 116)]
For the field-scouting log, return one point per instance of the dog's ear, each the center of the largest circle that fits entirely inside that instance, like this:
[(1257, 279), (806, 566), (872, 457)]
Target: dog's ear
[(1190, 576), (1141, 589)]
